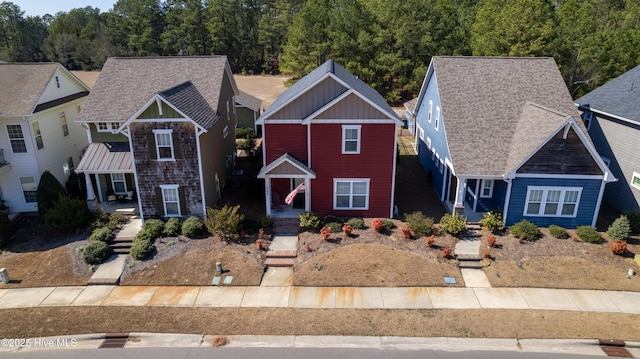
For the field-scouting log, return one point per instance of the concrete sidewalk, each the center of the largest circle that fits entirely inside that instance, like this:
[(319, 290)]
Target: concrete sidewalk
[(326, 297)]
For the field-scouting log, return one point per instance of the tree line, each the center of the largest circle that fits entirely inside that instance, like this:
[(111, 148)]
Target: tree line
[(388, 44)]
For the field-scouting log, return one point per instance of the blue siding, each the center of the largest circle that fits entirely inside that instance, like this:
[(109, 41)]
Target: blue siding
[(438, 138), (586, 207), (496, 202)]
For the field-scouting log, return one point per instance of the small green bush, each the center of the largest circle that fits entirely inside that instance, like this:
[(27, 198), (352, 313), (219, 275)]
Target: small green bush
[(250, 226), (141, 249), (265, 221), (192, 227), (172, 227), (558, 232), (118, 219), (336, 227), (455, 224), (142, 236), (332, 219), (620, 228), (588, 234), (356, 223), (388, 224), (225, 221), (48, 192), (309, 221), (67, 214), (493, 221), (103, 234), (99, 220), (634, 221), (419, 224), (242, 132), (525, 230), (96, 252), (154, 227)]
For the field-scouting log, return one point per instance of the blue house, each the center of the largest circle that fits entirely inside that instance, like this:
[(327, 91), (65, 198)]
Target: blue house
[(498, 133), (611, 113)]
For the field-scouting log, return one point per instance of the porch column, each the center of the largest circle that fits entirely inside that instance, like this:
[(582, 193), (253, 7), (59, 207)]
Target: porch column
[(267, 194), (307, 194), (458, 206), (99, 188), (92, 203)]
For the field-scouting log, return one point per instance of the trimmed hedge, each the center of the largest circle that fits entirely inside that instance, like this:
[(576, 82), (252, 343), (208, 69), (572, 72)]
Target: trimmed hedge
[(141, 249), (356, 223), (558, 232), (309, 221), (588, 234), (103, 234), (455, 224), (493, 221), (154, 227), (419, 224), (172, 227), (525, 230), (96, 252), (192, 227)]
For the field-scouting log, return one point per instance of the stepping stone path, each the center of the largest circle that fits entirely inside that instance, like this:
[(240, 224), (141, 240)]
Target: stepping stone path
[(467, 251)]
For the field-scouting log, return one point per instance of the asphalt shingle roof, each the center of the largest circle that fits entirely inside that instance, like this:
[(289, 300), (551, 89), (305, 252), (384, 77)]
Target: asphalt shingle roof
[(249, 101), (186, 98), (485, 111), (620, 96), (22, 84), (125, 84)]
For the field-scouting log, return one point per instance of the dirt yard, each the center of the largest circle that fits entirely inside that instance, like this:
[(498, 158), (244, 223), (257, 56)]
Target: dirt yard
[(267, 87)]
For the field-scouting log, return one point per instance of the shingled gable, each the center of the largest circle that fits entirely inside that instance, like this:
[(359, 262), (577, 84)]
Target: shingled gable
[(126, 84), (484, 100), (249, 101), (351, 84)]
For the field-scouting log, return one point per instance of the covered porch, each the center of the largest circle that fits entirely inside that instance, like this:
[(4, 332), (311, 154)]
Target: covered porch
[(472, 197), (287, 187)]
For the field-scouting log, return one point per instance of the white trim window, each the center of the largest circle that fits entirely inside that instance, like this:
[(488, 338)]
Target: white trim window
[(16, 137), (351, 193), (420, 133), (430, 113), (37, 135), (119, 183), (552, 201), (63, 123), (486, 188), (164, 145), (437, 119), (351, 139), (225, 131), (29, 189), (228, 112), (107, 126), (635, 180), (428, 142), (170, 200)]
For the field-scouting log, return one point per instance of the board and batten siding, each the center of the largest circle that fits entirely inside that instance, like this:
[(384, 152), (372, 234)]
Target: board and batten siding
[(619, 142), (105, 136), (285, 138), (318, 96), (375, 162), (351, 107), (586, 207)]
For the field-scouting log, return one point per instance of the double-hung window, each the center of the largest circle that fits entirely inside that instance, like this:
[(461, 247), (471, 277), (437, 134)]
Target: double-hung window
[(437, 119), (486, 188), (37, 135), (108, 126), (16, 137), (635, 180), (351, 193), (29, 189), (351, 139), (164, 144), (170, 200), (552, 201), (63, 123), (430, 113), (119, 183)]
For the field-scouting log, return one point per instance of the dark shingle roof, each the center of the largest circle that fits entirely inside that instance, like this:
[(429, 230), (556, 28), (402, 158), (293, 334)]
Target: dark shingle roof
[(186, 98), (483, 102), (22, 84), (249, 101), (126, 84), (620, 96)]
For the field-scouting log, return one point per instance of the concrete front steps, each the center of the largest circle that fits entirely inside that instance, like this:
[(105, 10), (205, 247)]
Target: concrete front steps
[(121, 245), (286, 226), (281, 258)]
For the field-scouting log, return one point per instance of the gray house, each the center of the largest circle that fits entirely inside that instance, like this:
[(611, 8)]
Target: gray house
[(612, 115)]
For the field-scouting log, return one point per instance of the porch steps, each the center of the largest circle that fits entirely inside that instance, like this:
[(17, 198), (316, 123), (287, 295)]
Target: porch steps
[(286, 226), (281, 258), (121, 245), (469, 261)]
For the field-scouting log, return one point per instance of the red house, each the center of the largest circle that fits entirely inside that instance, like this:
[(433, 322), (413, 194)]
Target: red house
[(329, 146)]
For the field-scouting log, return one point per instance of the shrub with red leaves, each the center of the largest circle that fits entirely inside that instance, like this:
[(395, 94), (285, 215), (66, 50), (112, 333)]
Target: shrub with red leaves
[(619, 247)]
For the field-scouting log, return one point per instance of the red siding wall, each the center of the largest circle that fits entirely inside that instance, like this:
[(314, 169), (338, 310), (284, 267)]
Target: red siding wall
[(375, 161), (285, 138), (281, 186)]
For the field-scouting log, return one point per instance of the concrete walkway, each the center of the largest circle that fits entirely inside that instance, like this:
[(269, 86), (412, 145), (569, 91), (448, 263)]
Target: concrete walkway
[(325, 297), (110, 271)]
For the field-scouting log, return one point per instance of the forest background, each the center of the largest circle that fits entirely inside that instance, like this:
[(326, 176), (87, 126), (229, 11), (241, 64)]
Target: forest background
[(387, 43)]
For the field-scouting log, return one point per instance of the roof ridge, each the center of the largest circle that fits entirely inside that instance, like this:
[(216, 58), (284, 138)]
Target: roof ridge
[(545, 108)]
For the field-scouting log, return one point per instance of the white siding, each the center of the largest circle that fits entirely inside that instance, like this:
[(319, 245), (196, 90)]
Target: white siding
[(68, 86)]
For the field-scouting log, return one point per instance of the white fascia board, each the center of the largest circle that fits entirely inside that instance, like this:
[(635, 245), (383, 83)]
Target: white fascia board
[(154, 100)]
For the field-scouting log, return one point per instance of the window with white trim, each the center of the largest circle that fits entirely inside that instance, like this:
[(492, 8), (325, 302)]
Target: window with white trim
[(164, 144), (170, 200), (225, 131), (119, 183), (63, 123), (228, 113), (428, 142), (420, 133), (430, 113), (351, 139), (37, 135), (552, 201), (29, 189), (486, 188), (351, 193), (437, 120), (108, 126), (433, 154), (16, 137), (635, 180)]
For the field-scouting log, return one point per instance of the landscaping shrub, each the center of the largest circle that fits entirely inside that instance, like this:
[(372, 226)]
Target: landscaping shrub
[(224, 222), (5, 228), (447, 252), (388, 224), (48, 192), (76, 185), (326, 233), (620, 228), (356, 223), (309, 221), (525, 230), (250, 226), (634, 221), (336, 227), (558, 232), (192, 227), (619, 247), (332, 219), (419, 224), (172, 227), (100, 219), (243, 132), (143, 236), (378, 225), (455, 224), (265, 221), (103, 234), (67, 214), (406, 231), (588, 234), (154, 227), (117, 219), (491, 241), (96, 252), (141, 249), (493, 221)]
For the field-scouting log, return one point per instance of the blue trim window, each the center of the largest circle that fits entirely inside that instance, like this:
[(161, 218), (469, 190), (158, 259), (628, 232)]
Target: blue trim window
[(552, 201)]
